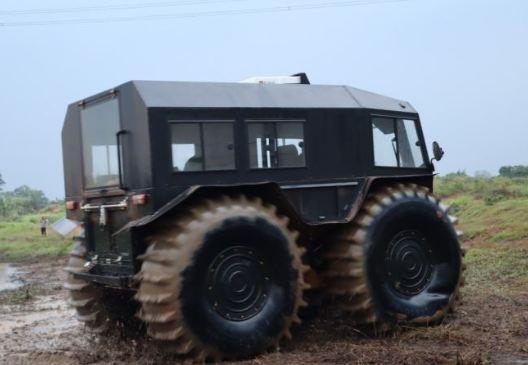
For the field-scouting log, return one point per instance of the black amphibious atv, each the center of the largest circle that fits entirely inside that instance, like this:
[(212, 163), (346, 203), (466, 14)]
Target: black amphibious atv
[(213, 210)]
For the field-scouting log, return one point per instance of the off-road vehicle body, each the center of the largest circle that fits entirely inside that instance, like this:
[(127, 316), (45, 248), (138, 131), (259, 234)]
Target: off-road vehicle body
[(215, 208)]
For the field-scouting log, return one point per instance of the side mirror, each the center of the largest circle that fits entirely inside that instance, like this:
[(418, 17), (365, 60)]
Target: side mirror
[(438, 152)]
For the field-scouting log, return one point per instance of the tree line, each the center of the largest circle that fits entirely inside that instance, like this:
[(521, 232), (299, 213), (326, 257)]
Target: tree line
[(514, 171), (20, 201)]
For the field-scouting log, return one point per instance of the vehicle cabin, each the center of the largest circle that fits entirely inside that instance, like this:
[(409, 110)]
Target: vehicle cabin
[(317, 147)]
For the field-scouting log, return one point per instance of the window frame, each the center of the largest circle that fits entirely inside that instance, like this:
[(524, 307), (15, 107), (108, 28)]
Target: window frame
[(275, 121), (106, 189), (201, 122), (419, 133)]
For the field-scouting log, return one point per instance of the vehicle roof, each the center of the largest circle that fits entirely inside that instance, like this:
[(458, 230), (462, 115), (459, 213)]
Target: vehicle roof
[(177, 94)]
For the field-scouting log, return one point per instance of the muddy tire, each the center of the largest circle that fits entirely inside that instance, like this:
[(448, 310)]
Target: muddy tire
[(99, 309), (225, 282), (399, 262)]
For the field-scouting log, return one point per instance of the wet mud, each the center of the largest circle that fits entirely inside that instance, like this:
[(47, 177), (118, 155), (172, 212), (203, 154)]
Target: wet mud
[(40, 328)]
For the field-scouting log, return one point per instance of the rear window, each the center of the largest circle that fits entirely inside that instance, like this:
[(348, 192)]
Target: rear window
[(202, 145), (99, 125)]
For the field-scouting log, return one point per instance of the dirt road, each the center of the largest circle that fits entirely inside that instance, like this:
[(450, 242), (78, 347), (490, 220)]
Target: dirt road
[(37, 327)]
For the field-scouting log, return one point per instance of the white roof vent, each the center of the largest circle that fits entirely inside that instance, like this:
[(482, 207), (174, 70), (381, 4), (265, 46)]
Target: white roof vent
[(299, 78)]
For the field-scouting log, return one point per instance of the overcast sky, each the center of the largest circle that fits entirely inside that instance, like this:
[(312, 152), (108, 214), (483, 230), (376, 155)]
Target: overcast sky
[(462, 64)]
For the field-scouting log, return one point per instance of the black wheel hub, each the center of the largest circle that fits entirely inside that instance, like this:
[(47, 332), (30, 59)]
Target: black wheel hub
[(238, 283), (408, 262)]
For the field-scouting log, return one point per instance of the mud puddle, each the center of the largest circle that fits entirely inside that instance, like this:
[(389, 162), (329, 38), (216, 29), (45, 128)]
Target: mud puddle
[(8, 278), (45, 315)]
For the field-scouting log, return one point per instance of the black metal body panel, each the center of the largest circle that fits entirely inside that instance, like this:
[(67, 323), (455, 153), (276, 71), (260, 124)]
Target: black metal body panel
[(329, 190)]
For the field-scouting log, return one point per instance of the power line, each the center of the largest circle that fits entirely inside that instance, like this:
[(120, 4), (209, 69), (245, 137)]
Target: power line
[(135, 6), (199, 14)]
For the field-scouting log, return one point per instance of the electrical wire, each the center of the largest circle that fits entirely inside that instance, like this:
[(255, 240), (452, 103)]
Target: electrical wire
[(164, 4), (199, 14)]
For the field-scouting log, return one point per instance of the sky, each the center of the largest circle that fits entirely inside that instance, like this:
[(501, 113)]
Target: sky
[(462, 64)]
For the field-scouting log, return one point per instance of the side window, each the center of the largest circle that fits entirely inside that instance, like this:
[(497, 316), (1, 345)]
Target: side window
[(202, 146), (384, 140), (396, 143), (276, 144), (409, 144)]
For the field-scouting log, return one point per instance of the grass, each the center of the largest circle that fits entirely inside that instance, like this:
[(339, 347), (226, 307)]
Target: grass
[(496, 268), (493, 209), (493, 215), (20, 238)]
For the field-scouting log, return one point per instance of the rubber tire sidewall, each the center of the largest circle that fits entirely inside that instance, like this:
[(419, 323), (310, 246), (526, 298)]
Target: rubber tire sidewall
[(255, 335), (427, 217)]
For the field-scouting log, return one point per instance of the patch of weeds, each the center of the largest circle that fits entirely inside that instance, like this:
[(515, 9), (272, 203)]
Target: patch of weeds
[(473, 357), (459, 204), (449, 332), (497, 194), (17, 296), (494, 269)]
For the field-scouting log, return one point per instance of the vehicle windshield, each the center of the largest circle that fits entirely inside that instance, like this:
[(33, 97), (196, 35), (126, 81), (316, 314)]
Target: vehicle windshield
[(100, 124), (396, 143)]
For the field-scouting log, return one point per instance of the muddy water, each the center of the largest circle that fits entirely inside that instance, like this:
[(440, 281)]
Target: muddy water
[(8, 280), (33, 330), (48, 315)]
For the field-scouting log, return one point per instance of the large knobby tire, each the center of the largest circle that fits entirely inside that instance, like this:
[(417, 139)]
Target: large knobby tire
[(225, 282), (101, 310), (399, 262)]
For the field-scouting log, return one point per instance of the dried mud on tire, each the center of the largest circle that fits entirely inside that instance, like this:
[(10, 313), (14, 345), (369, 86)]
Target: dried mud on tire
[(486, 328)]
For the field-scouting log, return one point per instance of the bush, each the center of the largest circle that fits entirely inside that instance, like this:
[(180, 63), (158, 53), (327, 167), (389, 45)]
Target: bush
[(21, 201), (459, 204), (496, 195), (490, 190), (514, 171)]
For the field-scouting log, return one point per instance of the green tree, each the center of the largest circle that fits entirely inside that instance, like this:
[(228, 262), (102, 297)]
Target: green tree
[(2, 182), (514, 171), (34, 199)]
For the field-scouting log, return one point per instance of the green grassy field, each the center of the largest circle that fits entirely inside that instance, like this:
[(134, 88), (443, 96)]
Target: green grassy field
[(492, 210), (20, 238), (493, 215)]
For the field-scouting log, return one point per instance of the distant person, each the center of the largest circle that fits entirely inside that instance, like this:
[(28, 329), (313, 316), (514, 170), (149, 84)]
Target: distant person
[(44, 226)]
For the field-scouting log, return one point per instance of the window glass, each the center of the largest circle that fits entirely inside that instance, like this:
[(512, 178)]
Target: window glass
[(186, 147), (218, 146), (396, 143), (261, 139), (99, 125), (276, 144), (410, 150), (385, 145), (290, 144), (199, 146)]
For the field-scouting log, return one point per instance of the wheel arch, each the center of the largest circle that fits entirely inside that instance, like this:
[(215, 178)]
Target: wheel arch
[(373, 183), (269, 192)]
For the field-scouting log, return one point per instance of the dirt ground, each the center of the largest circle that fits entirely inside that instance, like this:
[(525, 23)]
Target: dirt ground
[(486, 328)]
